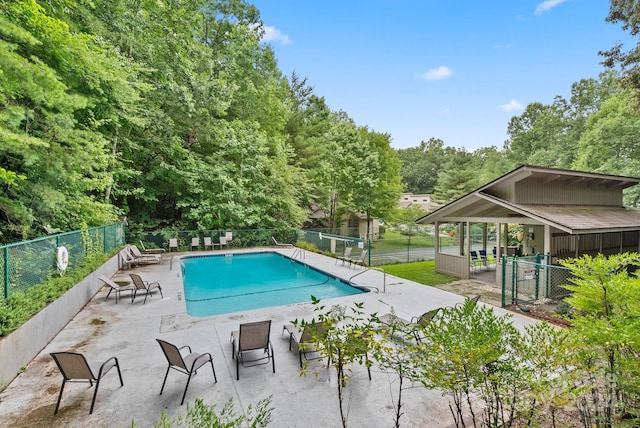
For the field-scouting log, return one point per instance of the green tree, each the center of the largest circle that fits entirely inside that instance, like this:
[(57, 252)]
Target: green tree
[(421, 165), (609, 144), (347, 336), (605, 297), (61, 91), (627, 14), (457, 177)]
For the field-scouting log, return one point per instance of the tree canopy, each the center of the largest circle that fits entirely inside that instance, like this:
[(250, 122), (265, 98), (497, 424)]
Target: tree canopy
[(176, 115), (173, 114)]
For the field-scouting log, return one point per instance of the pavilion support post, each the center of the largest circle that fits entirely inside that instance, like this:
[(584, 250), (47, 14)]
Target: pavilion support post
[(547, 239)]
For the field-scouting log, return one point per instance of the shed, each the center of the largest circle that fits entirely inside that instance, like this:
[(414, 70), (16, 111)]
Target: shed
[(558, 212)]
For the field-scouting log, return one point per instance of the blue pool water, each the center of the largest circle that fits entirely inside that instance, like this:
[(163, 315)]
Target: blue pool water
[(220, 284)]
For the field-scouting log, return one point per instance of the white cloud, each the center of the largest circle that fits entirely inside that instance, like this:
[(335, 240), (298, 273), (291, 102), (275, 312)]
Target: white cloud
[(272, 33), (439, 73), (512, 105), (547, 5)]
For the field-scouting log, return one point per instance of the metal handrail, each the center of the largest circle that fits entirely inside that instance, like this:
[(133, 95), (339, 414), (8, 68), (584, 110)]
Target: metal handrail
[(379, 269), (299, 252)]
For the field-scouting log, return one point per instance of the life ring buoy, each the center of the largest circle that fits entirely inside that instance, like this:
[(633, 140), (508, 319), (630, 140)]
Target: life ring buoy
[(62, 259)]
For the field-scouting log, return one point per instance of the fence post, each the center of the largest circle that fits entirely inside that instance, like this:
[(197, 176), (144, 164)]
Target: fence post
[(514, 280), (537, 273), (503, 262), (548, 274), (6, 272)]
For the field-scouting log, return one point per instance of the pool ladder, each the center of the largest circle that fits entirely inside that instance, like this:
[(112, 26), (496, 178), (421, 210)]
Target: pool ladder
[(298, 253), (384, 279)]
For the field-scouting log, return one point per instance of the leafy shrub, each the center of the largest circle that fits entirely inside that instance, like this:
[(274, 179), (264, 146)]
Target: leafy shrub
[(19, 307), (201, 415), (307, 246)]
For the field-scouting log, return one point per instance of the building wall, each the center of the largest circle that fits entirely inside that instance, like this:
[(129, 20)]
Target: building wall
[(424, 201), (537, 191)]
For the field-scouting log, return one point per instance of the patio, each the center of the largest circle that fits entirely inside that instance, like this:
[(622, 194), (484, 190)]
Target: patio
[(128, 331)]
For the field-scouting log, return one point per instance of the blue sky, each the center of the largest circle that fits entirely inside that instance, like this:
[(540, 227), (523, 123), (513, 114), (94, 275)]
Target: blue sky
[(456, 70)]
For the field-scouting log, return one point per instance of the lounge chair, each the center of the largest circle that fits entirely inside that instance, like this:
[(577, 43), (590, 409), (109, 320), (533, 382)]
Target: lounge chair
[(222, 242), (75, 368), (146, 286), (146, 250), (421, 322), (413, 326), (303, 338), (208, 242), (346, 256), (145, 259), (126, 259), (278, 244), (250, 339), (361, 260), (173, 243), (195, 242), (114, 286), (189, 364)]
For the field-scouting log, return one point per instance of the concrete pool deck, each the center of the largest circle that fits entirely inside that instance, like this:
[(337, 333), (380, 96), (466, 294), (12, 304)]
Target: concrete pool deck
[(128, 331)]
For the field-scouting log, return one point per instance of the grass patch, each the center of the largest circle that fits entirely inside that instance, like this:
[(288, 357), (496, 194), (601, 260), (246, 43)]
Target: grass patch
[(420, 272)]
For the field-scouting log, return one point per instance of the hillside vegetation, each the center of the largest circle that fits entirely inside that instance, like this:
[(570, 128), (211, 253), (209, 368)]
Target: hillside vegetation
[(176, 115)]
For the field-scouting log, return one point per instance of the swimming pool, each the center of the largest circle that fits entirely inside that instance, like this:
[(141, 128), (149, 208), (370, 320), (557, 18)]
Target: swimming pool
[(219, 284)]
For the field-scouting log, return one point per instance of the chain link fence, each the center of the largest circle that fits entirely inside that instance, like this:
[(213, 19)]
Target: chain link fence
[(29, 263), (529, 279), (409, 248)]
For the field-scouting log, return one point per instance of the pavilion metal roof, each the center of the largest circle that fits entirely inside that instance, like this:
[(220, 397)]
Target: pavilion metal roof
[(480, 206)]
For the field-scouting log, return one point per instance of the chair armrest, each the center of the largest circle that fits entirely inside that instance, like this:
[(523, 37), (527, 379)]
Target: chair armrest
[(102, 366), (185, 346)]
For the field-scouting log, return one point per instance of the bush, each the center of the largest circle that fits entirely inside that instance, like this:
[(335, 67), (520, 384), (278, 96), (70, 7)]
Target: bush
[(201, 415), (19, 307)]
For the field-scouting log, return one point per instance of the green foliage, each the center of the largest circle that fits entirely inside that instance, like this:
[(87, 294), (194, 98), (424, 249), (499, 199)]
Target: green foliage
[(307, 246), (606, 297), (21, 306), (470, 354), (347, 336), (200, 415)]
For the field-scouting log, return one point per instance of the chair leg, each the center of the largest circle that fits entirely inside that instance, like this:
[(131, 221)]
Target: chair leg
[(119, 374), (238, 366), (145, 297), (160, 289), (165, 379), (110, 290), (185, 388), (273, 360), (213, 370), (59, 397), (95, 393)]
